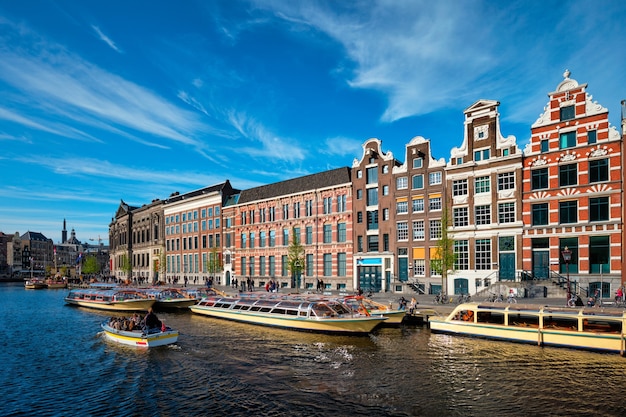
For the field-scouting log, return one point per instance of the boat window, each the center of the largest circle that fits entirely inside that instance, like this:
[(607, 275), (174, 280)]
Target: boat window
[(291, 312), (602, 326), (524, 320), (266, 309), (491, 317), (278, 311), (464, 315), (561, 323), (222, 305), (255, 308), (323, 310)]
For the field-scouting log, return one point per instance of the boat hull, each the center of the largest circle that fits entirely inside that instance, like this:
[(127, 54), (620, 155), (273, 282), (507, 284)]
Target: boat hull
[(126, 305), (607, 336), (357, 325), (138, 339)]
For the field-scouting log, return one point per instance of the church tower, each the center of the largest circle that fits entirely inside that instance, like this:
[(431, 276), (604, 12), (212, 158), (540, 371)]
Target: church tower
[(64, 233)]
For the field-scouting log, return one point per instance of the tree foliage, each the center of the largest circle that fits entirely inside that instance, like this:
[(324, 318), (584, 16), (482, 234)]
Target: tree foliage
[(444, 259), (295, 255), (90, 265)]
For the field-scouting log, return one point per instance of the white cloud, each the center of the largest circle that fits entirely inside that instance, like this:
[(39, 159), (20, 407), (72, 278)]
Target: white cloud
[(105, 38)]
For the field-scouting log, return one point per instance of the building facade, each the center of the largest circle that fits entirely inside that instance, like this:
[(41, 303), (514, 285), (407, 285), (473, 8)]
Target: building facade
[(193, 234), (315, 211), (573, 192), (483, 185), (375, 263), (418, 206)]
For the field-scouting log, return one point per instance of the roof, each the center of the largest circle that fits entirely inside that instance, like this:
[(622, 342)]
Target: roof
[(297, 185), (34, 236)]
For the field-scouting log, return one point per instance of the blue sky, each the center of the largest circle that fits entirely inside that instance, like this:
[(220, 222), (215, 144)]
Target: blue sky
[(134, 100)]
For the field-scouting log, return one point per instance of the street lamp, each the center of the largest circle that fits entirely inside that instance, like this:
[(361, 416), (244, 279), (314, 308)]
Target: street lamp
[(567, 257)]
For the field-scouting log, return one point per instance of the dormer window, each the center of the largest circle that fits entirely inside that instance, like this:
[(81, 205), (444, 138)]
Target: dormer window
[(567, 113)]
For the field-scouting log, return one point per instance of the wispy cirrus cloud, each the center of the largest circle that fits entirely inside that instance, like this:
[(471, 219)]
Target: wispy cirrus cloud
[(105, 39), (272, 145)]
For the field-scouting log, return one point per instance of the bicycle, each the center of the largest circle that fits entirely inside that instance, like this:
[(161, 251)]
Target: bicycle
[(441, 299), (511, 299)]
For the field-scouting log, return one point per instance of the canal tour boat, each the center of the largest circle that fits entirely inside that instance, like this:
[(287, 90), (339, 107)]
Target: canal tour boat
[(170, 298), (292, 312), (588, 328), (139, 337), (35, 284), (116, 299), (374, 308)]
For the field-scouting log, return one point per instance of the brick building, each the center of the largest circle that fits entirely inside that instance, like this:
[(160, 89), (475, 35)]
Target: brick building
[(572, 192)]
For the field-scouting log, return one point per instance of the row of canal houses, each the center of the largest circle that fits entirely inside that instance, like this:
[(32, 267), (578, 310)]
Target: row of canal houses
[(375, 225)]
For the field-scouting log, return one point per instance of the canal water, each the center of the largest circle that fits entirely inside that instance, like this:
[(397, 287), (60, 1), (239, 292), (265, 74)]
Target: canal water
[(55, 362)]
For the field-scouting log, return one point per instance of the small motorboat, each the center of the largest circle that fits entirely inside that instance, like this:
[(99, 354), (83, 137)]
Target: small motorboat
[(138, 336), (35, 284)]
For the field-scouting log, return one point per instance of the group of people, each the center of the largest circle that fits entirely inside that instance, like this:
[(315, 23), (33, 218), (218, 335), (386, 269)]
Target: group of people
[(148, 323), (403, 303)]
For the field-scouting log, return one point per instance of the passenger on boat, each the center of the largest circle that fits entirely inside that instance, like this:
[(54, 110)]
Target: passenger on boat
[(151, 320), (412, 305), (578, 302), (402, 302)]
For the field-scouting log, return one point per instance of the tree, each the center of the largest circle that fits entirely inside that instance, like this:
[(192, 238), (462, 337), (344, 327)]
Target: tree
[(444, 258), (90, 265), (214, 263), (295, 258), (125, 265)]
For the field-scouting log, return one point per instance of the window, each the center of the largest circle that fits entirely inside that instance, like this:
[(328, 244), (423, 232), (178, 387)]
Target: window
[(385, 214), (359, 174), (482, 185), (567, 112), (598, 209), (328, 205), (262, 239), (506, 212), (403, 231), (459, 187), (308, 207), (243, 240), (385, 190), (592, 136), (372, 220), (402, 183), (262, 265), (568, 175), (506, 181), (568, 212), (483, 214), (419, 267), (567, 140), (435, 229), (328, 233), (434, 203), (341, 264), (460, 216), (540, 214), (359, 241), (417, 182), (372, 243), (359, 194), (483, 254), (328, 265), (285, 237), (418, 205), (418, 162), (372, 196), (385, 169), (359, 217), (461, 250), (371, 175), (251, 240), (434, 178), (272, 238), (539, 178), (599, 170), (544, 145), (341, 232), (419, 232), (506, 243), (402, 207), (481, 155)]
